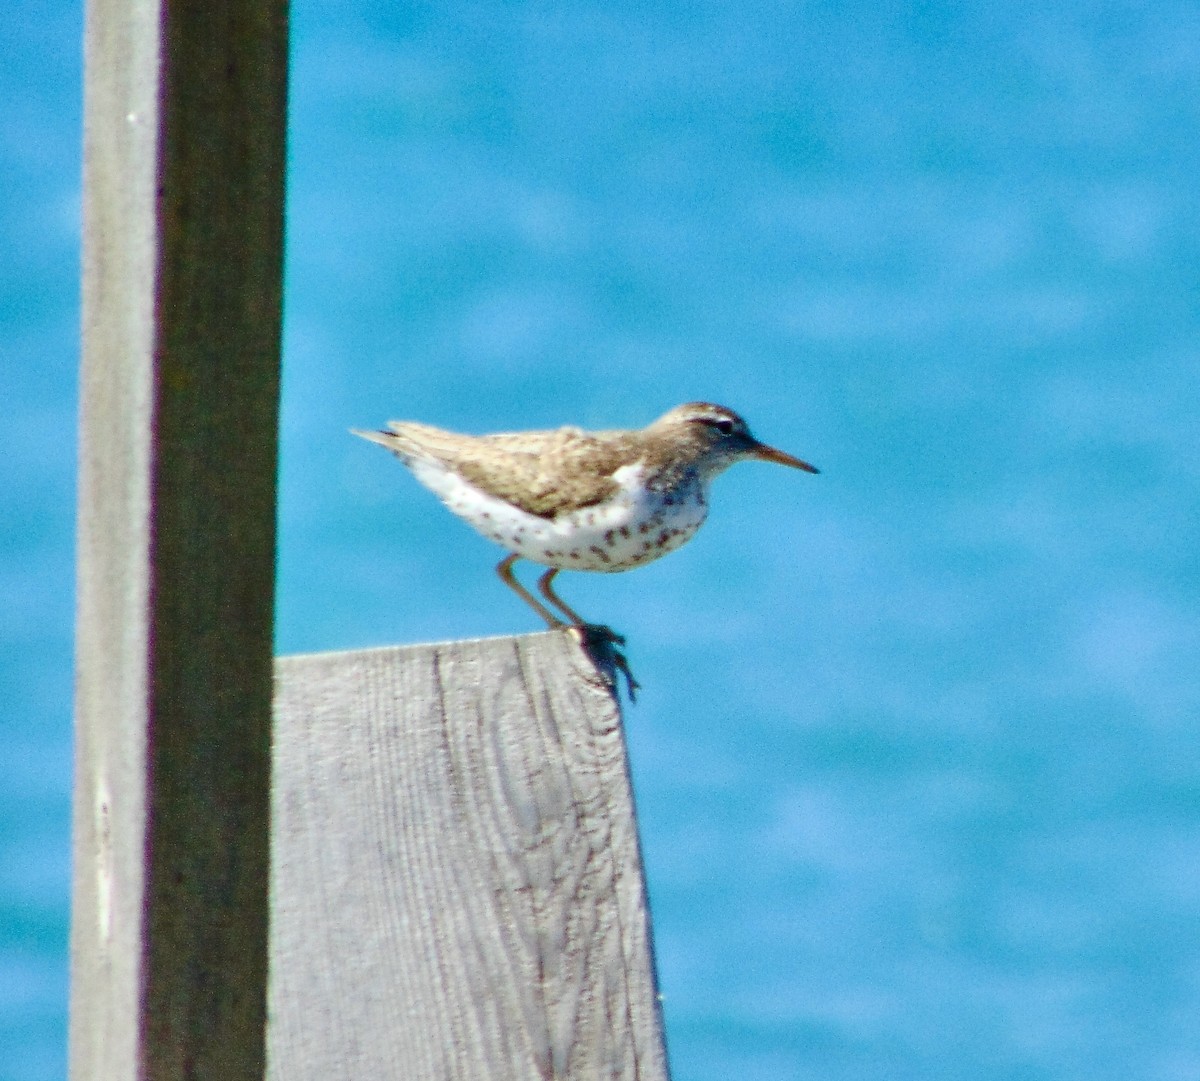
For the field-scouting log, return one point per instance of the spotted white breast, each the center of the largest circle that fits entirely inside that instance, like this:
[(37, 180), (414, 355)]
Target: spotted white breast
[(635, 526)]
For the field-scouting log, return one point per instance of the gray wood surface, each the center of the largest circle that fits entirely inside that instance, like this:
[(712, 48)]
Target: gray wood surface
[(456, 883), (185, 108)]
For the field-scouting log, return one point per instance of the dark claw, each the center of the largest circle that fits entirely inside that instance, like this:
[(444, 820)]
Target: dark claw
[(601, 644), (632, 686)]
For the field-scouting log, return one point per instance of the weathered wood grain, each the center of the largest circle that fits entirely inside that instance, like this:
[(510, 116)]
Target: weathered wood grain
[(184, 152), (456, 883)]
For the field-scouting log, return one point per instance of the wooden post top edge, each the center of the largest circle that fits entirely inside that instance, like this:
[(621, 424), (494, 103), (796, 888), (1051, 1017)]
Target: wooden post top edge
[(598, 662), (449, 643)]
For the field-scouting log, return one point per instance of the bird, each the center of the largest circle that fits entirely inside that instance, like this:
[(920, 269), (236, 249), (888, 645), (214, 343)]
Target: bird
[(570, 499)]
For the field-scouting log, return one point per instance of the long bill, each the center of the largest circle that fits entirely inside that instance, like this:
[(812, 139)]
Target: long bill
[(770, 454)]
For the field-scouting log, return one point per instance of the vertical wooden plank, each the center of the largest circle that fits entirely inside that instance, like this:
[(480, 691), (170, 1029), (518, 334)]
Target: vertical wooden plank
[(185, 106), (457, 890)]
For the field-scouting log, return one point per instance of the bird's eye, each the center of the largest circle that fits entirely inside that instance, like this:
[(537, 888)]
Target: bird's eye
[(724, 426)]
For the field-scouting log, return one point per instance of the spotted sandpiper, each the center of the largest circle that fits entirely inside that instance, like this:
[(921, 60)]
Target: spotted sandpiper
[(575, 500)]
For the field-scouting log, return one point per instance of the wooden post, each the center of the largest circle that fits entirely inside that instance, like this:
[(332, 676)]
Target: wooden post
[(183, 226), (456, 887)]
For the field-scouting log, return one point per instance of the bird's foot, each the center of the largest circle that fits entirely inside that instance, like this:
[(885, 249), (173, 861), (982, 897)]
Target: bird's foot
[(600, 642), (602, 633)]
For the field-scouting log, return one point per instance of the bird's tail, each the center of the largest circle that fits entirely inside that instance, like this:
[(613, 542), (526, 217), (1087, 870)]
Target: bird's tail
[(390, 440), (384, 439), (413, 442)]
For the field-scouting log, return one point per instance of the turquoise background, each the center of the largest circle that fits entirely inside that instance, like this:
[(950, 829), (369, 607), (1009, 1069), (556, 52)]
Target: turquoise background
[(916, 757)]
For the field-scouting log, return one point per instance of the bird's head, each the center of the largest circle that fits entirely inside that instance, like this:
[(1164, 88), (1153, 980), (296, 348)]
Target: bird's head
[(717, 437)]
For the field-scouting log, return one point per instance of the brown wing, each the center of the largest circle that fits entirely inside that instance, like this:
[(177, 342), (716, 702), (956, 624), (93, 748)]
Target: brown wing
[(544, 473)]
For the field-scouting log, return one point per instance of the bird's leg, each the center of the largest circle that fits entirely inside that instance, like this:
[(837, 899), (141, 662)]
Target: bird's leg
[(594, 631), (504, 569), (547, 591), (598, 641)]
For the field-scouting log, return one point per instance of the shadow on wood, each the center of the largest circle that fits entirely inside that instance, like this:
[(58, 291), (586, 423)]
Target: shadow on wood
[(456, 884)]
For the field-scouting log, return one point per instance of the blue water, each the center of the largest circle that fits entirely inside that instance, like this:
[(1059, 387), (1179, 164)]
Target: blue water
[(916, 757)]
